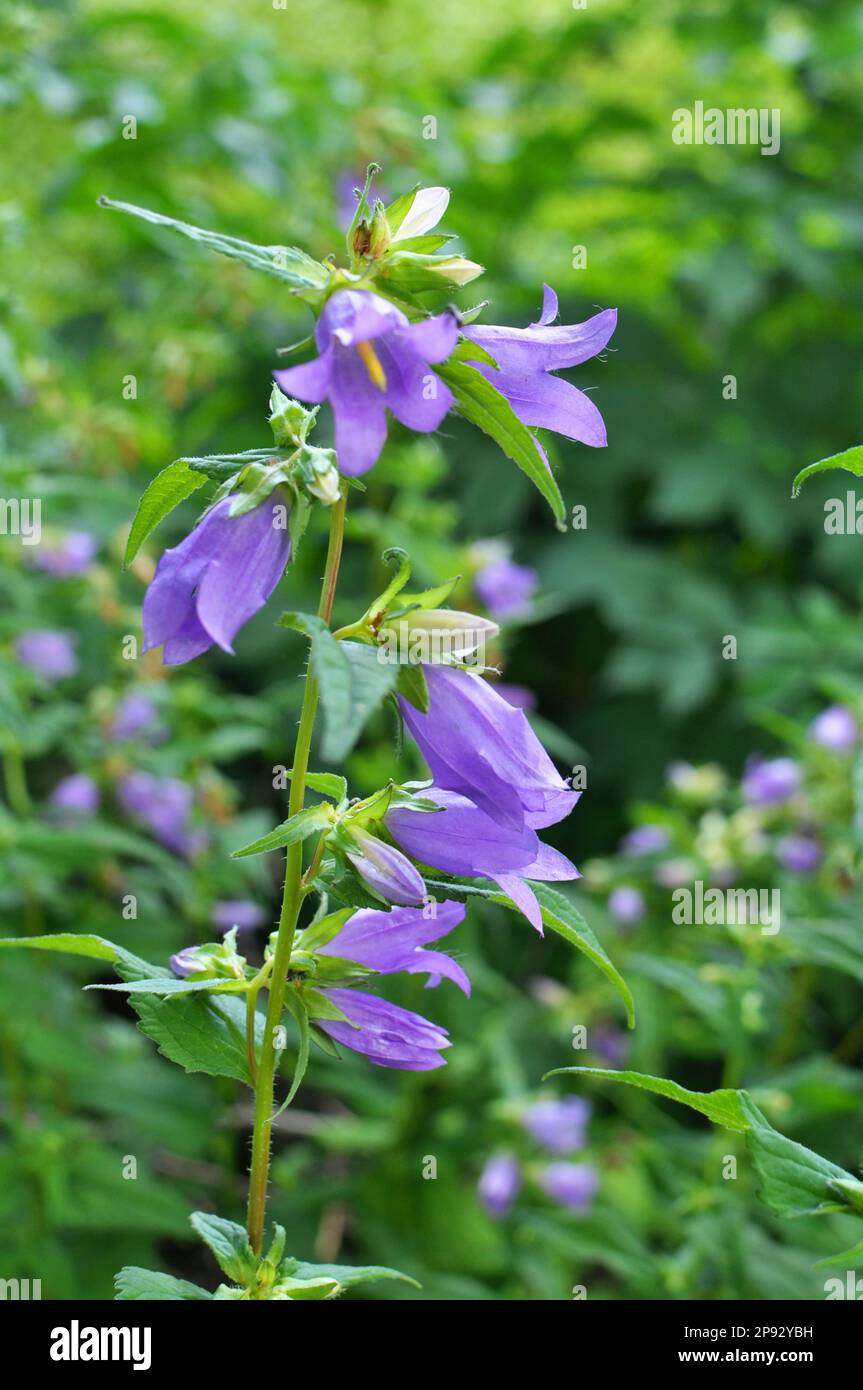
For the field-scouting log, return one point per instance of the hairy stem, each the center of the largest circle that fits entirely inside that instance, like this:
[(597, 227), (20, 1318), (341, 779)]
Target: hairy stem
[(291, 901)]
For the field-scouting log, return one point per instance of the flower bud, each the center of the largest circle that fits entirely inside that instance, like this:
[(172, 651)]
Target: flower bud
[(435, 635), (456, 269), (289, 421), (426, 210)]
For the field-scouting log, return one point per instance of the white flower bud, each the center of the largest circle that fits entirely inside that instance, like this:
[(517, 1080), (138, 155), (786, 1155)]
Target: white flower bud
[(426, 210)]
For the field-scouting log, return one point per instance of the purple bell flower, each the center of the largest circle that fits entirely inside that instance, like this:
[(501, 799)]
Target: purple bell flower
[(461, 839), (394, 941), (163, 805), (135, 714), (385, 1033), (67, 558), (799, 854), (499, 1184), (77, 795), (609, 1044), (766, 781), (214, 581), (372, 357), (559, 1125), (385, 869), (573, 1185), (186, 962), (47, 653), (519, 696), (527, 359), (239, 913), (835, 727), (506, 588), (478, 744), (626, 905)]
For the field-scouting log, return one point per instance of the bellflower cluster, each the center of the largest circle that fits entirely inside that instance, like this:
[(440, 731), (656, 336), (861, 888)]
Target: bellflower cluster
[(560, 1128)]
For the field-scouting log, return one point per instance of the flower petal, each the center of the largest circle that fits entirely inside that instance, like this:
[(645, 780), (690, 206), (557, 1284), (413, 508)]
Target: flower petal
[(550, 403), (355, 316), (545, 349), (523, 896), (310, 381), (549, 308), (385, 1033), (433, 339), (426, 210), (358, 407), (415, 395), (249, 565)]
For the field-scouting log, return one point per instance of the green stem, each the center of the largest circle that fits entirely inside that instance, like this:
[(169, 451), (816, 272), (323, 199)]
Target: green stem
[(291, 901), (15, 779)]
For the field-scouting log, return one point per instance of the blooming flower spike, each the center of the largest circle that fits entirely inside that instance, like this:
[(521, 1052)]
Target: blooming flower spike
[(372, 358)]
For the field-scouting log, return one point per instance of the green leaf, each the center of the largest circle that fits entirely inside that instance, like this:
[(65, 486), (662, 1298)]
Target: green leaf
[(722, 1107), (483, 405), (298, 1009), (94, 947), (327, 783), (173, 987), (412, 684), (322, 931), (201, 1033), (299, 827), (345, 1275), (170, 487), (134, 1283), (352, 682), (795, 1181), (850, 459), (286, 263), (229, 1243)]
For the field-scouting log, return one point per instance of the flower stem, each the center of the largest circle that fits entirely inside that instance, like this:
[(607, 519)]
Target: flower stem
[(291, 901)]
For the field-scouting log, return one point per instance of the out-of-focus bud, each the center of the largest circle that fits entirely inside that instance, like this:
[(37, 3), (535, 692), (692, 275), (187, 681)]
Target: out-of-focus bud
[(378, 232), (289, 421), (215, 960)]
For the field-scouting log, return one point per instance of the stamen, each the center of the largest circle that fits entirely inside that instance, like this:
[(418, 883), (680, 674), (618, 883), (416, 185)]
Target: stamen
[(372, 365)]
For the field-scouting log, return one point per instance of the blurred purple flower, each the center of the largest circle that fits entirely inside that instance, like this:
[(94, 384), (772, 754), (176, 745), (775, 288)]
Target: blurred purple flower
[(800, 854), (506, 588), (626, 905), (239, 913), (768, 780), (67, 558), (526, 360), (370, 357), (835, 727), (135, 714), (645, 839), (164, 806), (186, 962), (559, 1125), (573, 1185), (214, 581), (394, 941), (461, 839), (609, 1044), (385, 1033), (48, 653), (385, 869), (499, 1184), (77, 795), (479, 745)]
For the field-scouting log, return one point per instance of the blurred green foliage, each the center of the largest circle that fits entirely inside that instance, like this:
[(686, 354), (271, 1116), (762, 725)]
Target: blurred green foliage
[(552, 126)]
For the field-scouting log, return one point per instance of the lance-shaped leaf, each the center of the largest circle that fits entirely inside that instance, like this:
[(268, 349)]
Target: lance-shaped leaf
[(94, 947), (299, 827), (482, 404), (327, 783), (850, 459), (300, 1013), (170, 987), (794, 1180), (166, 491), (287, 263), (347, 1276)]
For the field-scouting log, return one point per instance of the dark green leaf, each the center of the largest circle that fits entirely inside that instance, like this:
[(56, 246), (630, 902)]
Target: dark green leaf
[(299, 827), (133, 1283), (170, 487)]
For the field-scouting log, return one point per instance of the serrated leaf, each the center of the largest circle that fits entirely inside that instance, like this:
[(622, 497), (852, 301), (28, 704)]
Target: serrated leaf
[(200, 1033), (286, 263), (229, 1243), (307, 822), (721, 1107), (484, 406), (352, 682), (345, 1275), (851, 460), (795, 1181), (94, 947), (174, 987), (166, 491), (133, 1283)]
